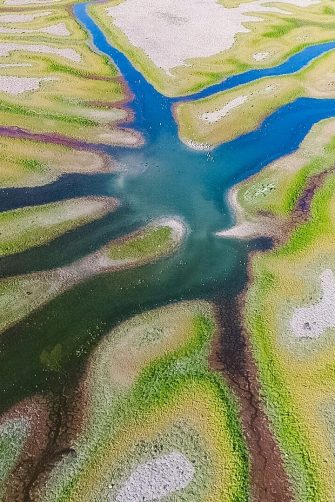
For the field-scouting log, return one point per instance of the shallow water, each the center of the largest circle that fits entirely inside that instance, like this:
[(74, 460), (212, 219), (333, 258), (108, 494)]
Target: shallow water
[(163, 178)]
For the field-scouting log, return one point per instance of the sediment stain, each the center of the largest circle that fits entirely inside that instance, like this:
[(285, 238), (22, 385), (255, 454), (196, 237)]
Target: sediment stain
[(232, 357)]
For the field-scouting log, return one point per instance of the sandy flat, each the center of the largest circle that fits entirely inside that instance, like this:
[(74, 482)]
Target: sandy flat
[(311, 321), (58, 29), (217, 115), (27, 2), (183, 30), (14, 65), (247, 230), (157, 479), (260, 56), (197, 146), (22, 18), (19, 85), (67, 53)]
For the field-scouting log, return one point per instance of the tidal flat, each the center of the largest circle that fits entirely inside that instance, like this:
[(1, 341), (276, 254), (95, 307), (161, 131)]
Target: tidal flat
[(167, 277)]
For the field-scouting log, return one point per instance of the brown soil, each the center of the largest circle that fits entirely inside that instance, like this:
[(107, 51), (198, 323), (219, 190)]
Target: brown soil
[(57, 447), (58, 139), (37, 410), (231, 356)]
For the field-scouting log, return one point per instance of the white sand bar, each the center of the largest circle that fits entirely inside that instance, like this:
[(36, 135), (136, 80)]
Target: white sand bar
[(219, 114), (157, 479), (312, 321), (28, 2), (19, 85), (22, 18), (180, 30), (13, 65), (58, 29), (67, 53), (259, 56)]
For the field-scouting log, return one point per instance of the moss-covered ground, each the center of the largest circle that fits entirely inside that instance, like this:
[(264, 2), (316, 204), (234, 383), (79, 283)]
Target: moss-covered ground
[(160, 388), (297, 374)]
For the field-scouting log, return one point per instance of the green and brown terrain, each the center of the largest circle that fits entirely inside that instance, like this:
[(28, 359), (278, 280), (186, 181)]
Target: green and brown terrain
[(167, 256)]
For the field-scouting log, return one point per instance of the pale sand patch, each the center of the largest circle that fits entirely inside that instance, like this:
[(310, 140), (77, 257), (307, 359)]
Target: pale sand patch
[(13, 65), (197, 146), (67, 53), (157, 479), (247, 230), (184, 30), (58, 29), (123, 137), (22, 18), (107, 115), (178, 226), (265, 226), (27, 2), (16, 304), (260, 56), (19, 85), (312, 321), (270, 88), (219, 114)]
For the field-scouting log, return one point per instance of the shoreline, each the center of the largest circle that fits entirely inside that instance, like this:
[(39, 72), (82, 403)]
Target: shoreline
[(62, 279), (244, 229)]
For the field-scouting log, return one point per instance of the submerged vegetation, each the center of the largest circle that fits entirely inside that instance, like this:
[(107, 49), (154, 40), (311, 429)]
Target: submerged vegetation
[(161, 389), (152, 243), (136, 362)]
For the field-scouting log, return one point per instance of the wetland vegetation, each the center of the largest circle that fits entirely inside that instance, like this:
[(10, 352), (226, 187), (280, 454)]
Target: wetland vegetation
[(167, 268)]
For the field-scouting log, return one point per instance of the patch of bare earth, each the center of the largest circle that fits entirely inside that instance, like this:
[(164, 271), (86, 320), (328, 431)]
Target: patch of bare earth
[(232, 358)]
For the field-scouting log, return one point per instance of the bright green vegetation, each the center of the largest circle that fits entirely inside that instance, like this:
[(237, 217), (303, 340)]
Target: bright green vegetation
[(28, 227), (276, 189), (148, 244), (161, 389), (297, 373), (226, 115), (277, 35)]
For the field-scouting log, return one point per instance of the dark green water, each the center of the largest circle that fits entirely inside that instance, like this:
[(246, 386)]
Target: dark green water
[(163, 178)]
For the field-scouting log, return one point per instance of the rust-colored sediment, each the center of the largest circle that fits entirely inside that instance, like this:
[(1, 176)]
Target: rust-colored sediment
[(56, 448), (58, 139), (231, 356), (36, 411), (69, 414)]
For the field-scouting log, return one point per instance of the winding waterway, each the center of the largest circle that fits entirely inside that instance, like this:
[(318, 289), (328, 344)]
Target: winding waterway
[(162, 178)]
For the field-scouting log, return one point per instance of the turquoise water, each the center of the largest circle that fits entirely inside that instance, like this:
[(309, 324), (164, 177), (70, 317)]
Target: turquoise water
[(162, 178)]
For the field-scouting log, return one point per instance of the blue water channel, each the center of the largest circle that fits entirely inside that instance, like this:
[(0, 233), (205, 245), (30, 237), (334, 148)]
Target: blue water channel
[(161, 178)]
